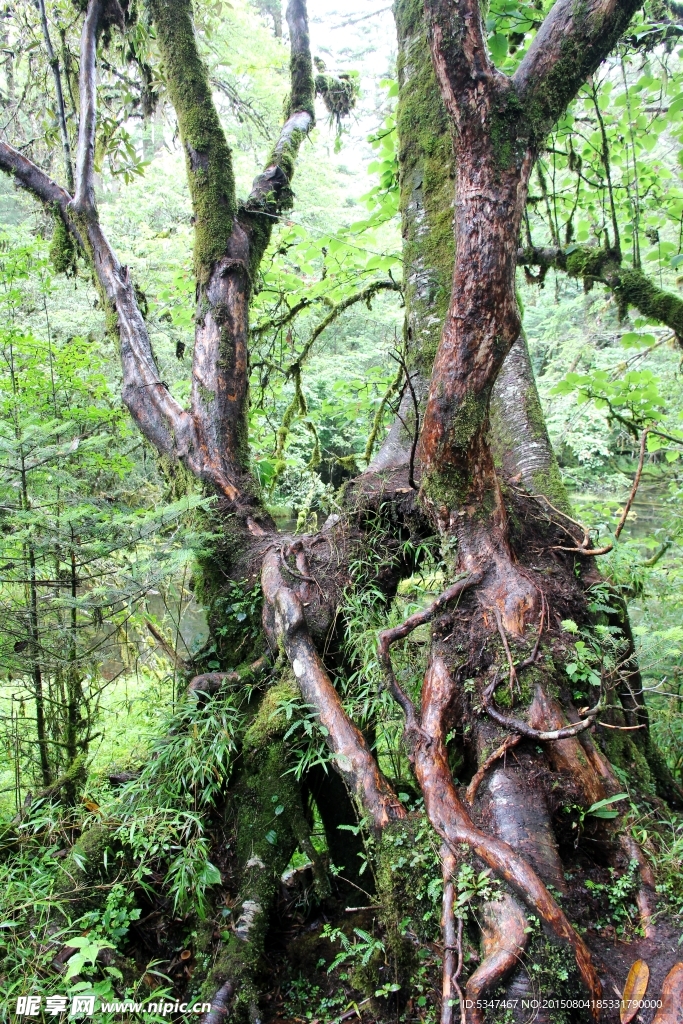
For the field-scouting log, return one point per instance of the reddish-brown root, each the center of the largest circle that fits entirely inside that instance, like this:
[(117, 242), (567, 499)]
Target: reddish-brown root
[(505, 936), (285, 623), (593, 776), (451, 821), (508, 743)]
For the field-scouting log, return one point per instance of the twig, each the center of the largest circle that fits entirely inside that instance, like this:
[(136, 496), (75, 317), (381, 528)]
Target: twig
[(531, 660), (622, 728), (390, 636), (506, 646), (517, 726), (627, 507), (508, 743)]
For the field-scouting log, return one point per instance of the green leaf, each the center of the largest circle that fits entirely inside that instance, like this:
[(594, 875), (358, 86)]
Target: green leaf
[(498, 47), (597, 808)]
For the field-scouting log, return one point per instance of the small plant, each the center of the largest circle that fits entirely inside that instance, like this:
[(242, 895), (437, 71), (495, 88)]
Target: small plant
[(474, 888), (357, 951)]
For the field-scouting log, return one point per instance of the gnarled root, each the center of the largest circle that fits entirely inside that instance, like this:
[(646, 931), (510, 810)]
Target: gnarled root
[(452, 942), (595, 780), (220, 1005), (450, 819), (503, 925), (285, 623), (524, 824)]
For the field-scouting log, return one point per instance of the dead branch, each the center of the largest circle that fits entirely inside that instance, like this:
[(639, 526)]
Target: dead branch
[(53, 61), (168, 650)]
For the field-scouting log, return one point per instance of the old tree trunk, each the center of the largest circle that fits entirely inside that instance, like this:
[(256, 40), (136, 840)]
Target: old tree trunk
[(499, 742)]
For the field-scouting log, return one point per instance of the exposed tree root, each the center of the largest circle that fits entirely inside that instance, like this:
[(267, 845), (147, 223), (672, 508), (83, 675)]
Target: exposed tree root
[(505, 936), (516, 725), (646, 893), (220, 1005), (285, 623), (451, 931), (451, 821), (595, 780), (523, 823), (265, 844)]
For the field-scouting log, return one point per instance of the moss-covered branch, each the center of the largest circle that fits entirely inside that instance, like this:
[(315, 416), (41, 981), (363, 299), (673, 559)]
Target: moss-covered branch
[(571, 43), (630, 287), (271, 192), (207, 154)]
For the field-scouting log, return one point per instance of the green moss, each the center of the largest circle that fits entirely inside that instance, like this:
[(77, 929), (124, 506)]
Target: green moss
[(427, 176), (339, 94), (589, 262), (208, 158), (207, 396), (635, 289), (84, 867), (624, 754), (63, 250), (270, 719), (402, 875), (508, 130), (265, 843), (302, 96), (451, 486)]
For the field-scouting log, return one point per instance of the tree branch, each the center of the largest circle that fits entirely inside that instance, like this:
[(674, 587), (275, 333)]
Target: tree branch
[(99, 13), (570, 44), (631, 287), (29, 176), (208, 159), (53, 61), (270, 191), (459, 52)]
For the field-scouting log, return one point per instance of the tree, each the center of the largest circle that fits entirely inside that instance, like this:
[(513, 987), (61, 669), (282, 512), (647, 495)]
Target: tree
[(521, 602)]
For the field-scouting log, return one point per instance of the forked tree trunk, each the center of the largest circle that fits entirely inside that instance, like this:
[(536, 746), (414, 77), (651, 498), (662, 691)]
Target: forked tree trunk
[(509, 588)]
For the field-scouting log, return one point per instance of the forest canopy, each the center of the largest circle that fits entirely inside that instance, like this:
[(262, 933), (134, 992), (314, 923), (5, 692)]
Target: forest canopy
[(341, 656)]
